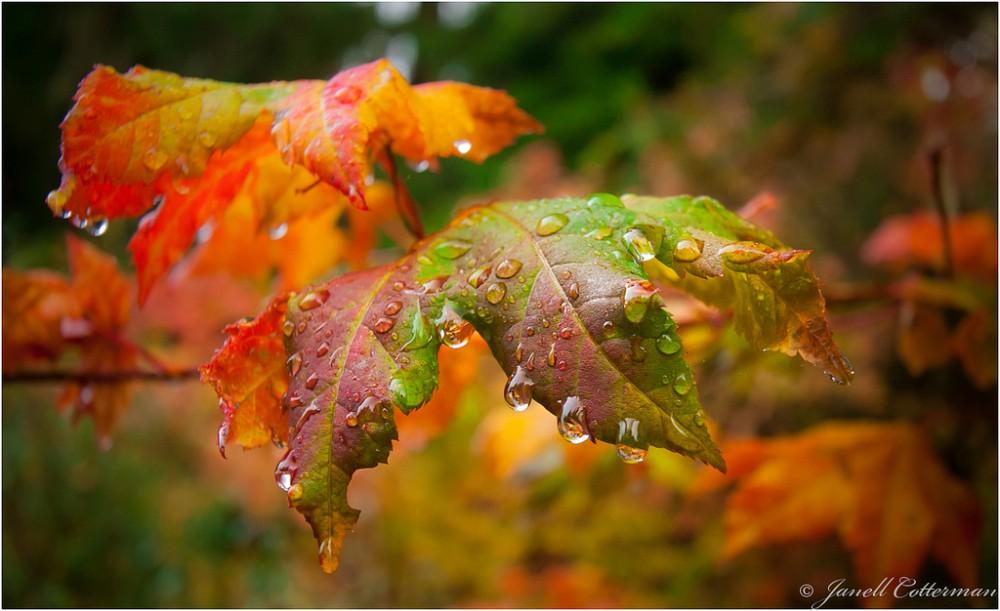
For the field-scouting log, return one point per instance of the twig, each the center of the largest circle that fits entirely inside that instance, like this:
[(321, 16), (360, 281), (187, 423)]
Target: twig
[(937, 186), (97, 377)]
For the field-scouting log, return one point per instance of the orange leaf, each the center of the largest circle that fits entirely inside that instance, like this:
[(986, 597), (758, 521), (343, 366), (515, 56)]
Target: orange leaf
[(917, 239), (35, 304), (248, 374), (878, 486), (192, 146), (332, 127)]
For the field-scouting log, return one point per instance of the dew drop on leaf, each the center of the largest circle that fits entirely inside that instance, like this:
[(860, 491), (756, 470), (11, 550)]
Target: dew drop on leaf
[(682, 384), (496, 292), (453, 330), (451, 249), (478, 277), (314, 299), (547, 225), (323, 349), (392, 308), (312, 381), (508, 268), (636, 298), (605, 199), (287, 327), (154, 159), (295, 493), (600, 233), (668, 344), (638, 245), (278, 231), (294, 364), (383, 324), (519, 390), (687, 251)]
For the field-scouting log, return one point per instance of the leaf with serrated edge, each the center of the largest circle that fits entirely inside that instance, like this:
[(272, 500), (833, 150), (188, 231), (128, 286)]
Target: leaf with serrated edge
[(558, 290)]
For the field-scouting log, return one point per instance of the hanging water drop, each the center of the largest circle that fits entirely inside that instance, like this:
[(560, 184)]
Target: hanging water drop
[(628, 444), (519, 389), (295, 493), (463, 146), (278, 231), (98, 226), (328, 555), (571, 421)]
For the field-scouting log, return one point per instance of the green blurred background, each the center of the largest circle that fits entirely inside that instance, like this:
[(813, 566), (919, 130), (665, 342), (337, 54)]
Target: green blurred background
[(832, 107)]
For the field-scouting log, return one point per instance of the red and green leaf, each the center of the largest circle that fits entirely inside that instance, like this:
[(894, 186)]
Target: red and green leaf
[(559, 291)]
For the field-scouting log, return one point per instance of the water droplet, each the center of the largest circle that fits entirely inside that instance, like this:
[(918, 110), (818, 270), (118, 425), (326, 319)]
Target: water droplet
[(453, 330), (573, 291), (550, 358), (550, 224), (312, 381), (687, 251), (530, 331), (287, 327), (295, 493), (600, 233), (351, 419), (519, 389), (278, 231), (284, 471), (451, 249), (608, 327), (98, 226), (323, 349), (605, 199), (638, 245), (571, 421), (519, 352), (496, 292), (154, 159), (79, 222), (463, 146), (566, 333), (636, 298), (294, 364), (668, 344), (478, 277), (628, 444), (382, 325), (508, 268), (743, 253), (347, 94), (398, 286), (392, 308), (56, 201), (314, 299), (205, 232), (682, 384)]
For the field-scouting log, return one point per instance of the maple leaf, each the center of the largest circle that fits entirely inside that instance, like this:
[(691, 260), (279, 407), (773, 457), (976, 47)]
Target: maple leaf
[(558, 290), (248, 374), (917, 240), (879, 487), (46, 314), (188, 147)]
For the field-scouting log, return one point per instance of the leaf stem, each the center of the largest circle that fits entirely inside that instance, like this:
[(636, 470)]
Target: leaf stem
[(937, 186), (134, 375)]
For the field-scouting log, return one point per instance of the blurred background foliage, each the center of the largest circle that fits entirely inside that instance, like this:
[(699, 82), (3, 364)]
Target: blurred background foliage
[(832, 108)]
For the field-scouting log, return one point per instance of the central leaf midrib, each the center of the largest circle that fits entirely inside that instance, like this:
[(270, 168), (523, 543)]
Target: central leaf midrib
[(575, 316)]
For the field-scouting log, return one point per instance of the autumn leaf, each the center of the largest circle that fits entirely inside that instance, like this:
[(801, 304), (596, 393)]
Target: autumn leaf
[(557, 288), (879, 487), (47, 315), (917, 240), (728, 262), (248, 374), (188, 147)]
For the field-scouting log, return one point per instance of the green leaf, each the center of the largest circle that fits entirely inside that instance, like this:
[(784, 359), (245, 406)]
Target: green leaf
[(559, 290)]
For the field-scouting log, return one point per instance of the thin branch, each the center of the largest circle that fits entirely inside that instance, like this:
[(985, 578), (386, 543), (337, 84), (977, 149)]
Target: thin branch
[(98, 377), (937, 186)]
